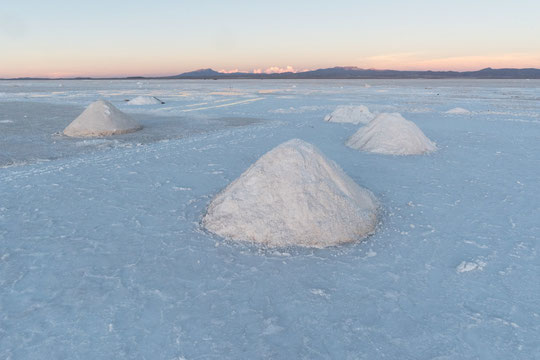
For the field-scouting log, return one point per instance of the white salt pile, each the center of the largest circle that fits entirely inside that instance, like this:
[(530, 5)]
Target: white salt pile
[(145, 100), (293, 195), (458, 111), (350, 114), (101, 118), (390, 133)]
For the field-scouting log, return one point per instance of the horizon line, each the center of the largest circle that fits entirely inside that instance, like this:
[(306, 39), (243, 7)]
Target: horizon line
[(254, 73)]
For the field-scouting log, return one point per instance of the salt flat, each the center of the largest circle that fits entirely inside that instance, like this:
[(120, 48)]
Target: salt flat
[(102, 254)]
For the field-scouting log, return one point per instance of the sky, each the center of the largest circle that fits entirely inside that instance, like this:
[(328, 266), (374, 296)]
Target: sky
[(60, 38)]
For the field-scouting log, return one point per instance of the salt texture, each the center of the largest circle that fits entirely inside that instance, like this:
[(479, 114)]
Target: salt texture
[(145, 100), (293, 195), (390, 133), (350, 114), (458, 111), (101, 118)]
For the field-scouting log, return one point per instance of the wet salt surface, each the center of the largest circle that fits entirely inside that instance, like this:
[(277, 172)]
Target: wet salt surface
[(102, 253)]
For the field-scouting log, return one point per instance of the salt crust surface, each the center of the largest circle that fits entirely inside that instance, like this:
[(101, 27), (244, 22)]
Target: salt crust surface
[(144, 100)]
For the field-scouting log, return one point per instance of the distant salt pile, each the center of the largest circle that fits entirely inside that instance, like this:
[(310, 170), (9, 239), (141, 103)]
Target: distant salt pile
[(350, 114), (458, 111), (101, 118), (390, 133), (293, 195), (145, 100)]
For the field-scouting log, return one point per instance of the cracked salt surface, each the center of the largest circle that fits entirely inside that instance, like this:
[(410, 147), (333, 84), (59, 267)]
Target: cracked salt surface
[(102, 254)]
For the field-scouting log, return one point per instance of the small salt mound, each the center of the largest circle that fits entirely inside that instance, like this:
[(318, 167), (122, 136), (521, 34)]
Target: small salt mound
[(293, 195), (145, 100), (350, 114), (458, 111), (390, 133), (101, 118)]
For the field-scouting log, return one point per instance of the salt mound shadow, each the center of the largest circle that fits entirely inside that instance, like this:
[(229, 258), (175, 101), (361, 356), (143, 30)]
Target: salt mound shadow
[(350, 114), (390, 133), (293, 195)]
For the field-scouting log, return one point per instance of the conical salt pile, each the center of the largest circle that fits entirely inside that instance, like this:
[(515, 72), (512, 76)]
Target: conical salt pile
[(293, 195), (390, 133), (101, 118), (350, 114)]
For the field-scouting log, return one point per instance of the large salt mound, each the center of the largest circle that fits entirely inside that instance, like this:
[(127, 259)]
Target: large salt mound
[(390, 133), (350, 114), (145, 100), (293, 195), (101, 118), (458, 111)]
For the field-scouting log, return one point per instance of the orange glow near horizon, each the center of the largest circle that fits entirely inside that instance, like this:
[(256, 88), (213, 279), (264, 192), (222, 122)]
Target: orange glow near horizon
[(78, 66), (412, 61)]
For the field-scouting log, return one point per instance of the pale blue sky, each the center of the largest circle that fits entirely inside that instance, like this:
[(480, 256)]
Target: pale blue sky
[(67, 38)]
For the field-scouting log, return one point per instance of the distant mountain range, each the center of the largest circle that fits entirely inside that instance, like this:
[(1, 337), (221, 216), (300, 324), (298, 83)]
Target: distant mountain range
[(348, 72), (357, 73)]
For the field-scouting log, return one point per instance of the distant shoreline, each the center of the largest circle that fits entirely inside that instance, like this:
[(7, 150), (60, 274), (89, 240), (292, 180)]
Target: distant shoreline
[(281, 78), (335, 73)]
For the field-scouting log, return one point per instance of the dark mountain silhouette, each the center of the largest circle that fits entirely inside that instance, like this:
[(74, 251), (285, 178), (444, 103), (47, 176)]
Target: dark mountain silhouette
[(351, 72), (343, 72), (197, 74)]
